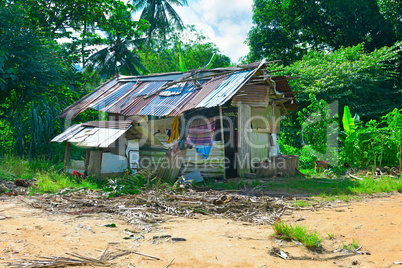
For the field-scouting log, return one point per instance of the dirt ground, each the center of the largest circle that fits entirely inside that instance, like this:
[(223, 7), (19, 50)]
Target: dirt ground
[(376, 223)]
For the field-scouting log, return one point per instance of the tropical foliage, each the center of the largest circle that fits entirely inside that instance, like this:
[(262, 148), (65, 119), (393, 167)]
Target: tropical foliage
[(288, 29), (369, 83), (164, 55)]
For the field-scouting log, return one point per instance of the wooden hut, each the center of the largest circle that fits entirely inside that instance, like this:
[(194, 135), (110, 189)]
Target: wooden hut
[(221, 122)]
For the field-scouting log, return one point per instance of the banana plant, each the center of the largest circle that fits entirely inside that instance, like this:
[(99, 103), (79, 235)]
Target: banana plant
[(348, 122), (350, 132), (181, 65)]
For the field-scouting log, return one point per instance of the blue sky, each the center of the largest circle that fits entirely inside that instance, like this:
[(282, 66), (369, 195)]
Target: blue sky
[(225, 22)]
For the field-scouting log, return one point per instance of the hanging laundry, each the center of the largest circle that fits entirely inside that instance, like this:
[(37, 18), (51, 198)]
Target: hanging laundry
[(201, 132), (174, 134), (204, 150)]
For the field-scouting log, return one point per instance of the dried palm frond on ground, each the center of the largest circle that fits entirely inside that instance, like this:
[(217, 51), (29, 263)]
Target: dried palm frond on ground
[(150, 207), (78, 260)]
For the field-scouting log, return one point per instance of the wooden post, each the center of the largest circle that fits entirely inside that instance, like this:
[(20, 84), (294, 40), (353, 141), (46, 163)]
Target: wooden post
[(87, 156), (223, 141), (66, 156)]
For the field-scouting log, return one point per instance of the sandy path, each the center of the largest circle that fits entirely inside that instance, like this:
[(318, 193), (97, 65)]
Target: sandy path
[(376, 223)]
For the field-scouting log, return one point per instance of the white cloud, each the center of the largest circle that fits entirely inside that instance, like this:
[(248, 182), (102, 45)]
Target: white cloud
[(225, 22)]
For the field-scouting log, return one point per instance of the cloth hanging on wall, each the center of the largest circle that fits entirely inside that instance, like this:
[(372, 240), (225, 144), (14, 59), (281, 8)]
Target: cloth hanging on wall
[(204, 150), (174, 134), (201, 132)]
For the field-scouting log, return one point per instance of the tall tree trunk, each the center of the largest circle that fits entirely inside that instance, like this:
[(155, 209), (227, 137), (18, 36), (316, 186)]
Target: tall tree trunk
[(83, 44)]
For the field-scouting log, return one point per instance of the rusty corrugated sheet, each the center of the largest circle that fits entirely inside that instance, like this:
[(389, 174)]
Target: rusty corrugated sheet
[(81, 105), (164, 105), (135, 101), (226, 89), (136, 105), (200, 94), (126, 96), (123, 102), (112, 96), (252, 94), (282, 86)]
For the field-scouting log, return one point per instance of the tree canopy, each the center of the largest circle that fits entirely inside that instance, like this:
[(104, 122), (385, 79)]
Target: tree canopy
[(287, 29), (366, 82), (30, 63)]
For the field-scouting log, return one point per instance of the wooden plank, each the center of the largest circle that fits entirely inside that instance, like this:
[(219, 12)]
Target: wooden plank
[(244, 148), (87, 155), (222, 134), (67, 155), (260, 147)]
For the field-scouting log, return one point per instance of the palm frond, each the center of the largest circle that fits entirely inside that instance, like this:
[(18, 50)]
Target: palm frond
[(174, 16), (139, 4), (177, 2)]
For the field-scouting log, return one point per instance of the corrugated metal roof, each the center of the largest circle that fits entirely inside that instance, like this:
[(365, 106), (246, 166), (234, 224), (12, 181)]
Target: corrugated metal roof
[(81, 105), (69, 132), (127, 95), (199, 95), (94, 134), (149, 88), (113, 96), (226, 89), (163, 105), (176, 89), (136, 105), (124, 101), (256, 95)]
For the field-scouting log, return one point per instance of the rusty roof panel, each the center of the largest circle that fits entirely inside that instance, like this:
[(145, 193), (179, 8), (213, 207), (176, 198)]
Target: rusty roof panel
[(125, 95), (282, 86), (257, 95), (226, 89), (81, 105), (124, 101), (162, 106), (149, 88), (112, 96), (136, 105), (206, 89)]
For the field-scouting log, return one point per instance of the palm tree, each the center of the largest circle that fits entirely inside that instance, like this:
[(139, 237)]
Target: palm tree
[(158, 13), (118, 56)]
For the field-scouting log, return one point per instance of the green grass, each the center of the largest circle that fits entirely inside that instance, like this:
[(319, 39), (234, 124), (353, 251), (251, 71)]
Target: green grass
[(45, 173), (311, 240), (352, 246), (339, 188), (331, 236), (301, 203)]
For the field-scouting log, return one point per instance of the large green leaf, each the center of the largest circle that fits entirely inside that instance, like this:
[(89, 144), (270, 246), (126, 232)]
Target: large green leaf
[(347, 120), (181, 60)]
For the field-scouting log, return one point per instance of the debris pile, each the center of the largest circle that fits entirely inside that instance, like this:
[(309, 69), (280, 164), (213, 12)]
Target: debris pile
[(144, 210)]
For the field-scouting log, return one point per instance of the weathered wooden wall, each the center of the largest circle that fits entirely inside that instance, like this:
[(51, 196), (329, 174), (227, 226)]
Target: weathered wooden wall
[(211, 167)]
